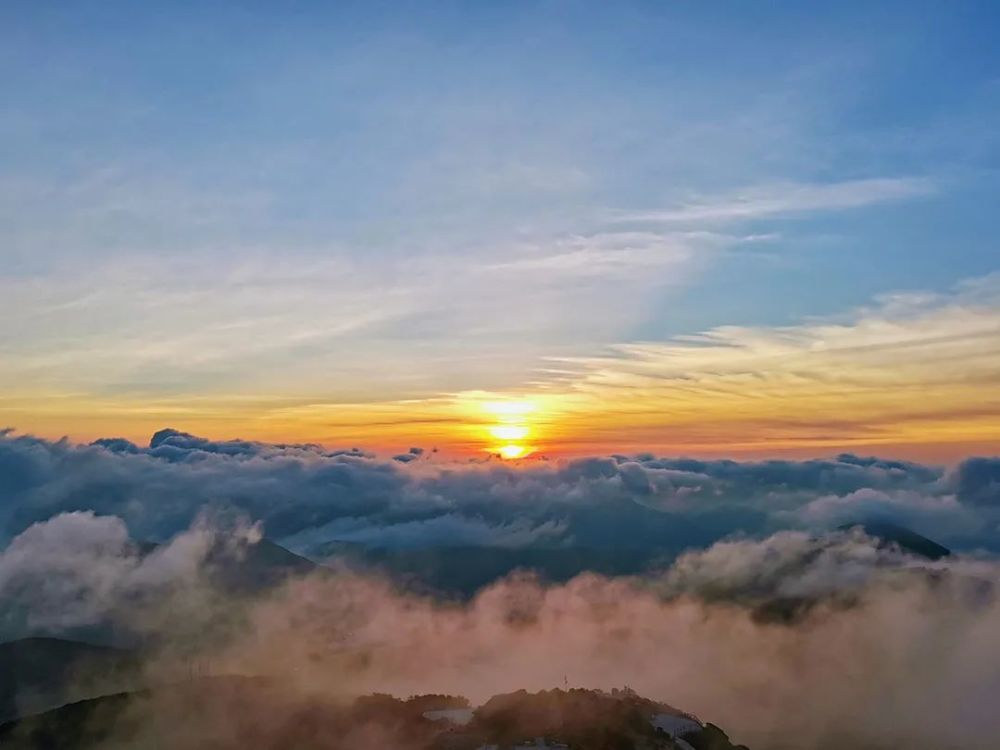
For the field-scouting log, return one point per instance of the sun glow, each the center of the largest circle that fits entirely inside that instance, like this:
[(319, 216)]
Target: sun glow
[(511, 426), (509, 431), (513, 451), (509, 409)]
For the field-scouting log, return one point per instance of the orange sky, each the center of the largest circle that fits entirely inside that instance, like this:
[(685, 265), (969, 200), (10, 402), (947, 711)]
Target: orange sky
[(914, 377)]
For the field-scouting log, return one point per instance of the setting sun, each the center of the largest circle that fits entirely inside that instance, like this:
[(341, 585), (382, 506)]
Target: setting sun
[(513, 451), (510, 426)]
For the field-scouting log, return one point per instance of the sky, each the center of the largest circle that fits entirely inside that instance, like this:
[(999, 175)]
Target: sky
[(533, 228)]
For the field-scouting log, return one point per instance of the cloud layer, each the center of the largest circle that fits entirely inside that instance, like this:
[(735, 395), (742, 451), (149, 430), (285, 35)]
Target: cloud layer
[(305, 495)]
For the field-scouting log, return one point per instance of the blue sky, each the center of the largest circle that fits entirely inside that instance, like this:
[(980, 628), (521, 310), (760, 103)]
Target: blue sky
[(403, 200)]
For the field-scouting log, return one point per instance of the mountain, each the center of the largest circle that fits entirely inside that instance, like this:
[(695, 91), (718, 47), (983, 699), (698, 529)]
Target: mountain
[(39, 673), (627, 538), (889, 533), (589, 719), (464, 570), (238, 567), (232, 565), (226, 713)]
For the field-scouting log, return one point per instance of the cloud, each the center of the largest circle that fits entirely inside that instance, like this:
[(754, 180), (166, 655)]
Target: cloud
[(786, 565), (865, 667), (608, 254), (977, 481), (859, 651), (77, 569), (911, 370), (176, 337), (149, 338), (942, 512), (451, 530), (307, 495), (411, 455), (780, 199)]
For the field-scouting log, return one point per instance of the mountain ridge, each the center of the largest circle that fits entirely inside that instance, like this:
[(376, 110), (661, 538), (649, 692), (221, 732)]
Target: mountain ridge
[(226, 712)]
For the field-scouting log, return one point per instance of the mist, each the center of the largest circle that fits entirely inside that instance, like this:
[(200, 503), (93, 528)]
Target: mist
[(881, 648), (913, 658)]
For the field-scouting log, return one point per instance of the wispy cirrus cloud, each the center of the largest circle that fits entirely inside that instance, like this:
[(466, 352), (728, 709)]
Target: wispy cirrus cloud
[(785, 198), (909, 370), (166, 335), (911, 373)]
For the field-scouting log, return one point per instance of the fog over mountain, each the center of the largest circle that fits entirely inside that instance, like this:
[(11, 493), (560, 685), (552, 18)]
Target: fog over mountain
[(750, 593)]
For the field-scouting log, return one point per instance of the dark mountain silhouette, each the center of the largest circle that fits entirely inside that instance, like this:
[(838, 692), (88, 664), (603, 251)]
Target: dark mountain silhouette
[(462, 571), (238, 566), (40, 673), (241, 568), (247, 713), (43, 671), (627, 538), (889, 533)]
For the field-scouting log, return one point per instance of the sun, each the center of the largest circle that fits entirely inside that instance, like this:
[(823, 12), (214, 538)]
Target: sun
[(512, 451), (511, 427)]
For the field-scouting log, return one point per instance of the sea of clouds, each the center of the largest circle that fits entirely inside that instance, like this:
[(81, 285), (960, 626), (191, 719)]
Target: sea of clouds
[(304, 494)]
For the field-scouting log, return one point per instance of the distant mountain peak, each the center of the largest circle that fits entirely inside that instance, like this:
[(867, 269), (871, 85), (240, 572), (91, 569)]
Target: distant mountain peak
[(906, 539)]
